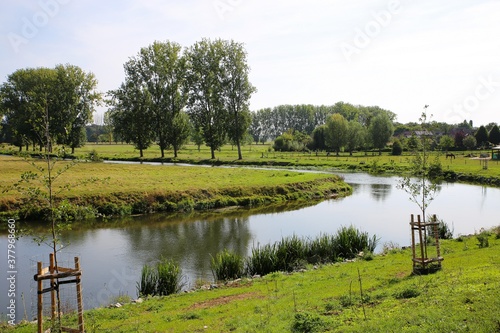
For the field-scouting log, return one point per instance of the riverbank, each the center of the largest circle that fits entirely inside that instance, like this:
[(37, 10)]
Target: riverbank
[(88, 190), (378, 295)]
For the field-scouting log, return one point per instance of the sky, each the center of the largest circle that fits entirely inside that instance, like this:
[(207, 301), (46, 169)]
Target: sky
[(397, 54)]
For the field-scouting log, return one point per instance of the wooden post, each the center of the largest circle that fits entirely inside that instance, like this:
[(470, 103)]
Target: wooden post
[(412, 223), (79, 297), (421, 239), (52, 270), (40, 298)]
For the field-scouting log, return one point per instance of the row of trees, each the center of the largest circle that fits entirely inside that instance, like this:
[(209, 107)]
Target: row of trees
[(269, 123), (208, 80), (338, 133), (48, 104)]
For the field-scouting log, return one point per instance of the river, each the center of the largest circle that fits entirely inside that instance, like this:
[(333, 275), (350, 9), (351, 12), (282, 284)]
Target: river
[(113, 254)]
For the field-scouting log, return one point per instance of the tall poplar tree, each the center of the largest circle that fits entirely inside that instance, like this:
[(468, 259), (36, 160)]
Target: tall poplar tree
[(380, 129), (161, 70), (131, 113), (237, 91), (206, 102)]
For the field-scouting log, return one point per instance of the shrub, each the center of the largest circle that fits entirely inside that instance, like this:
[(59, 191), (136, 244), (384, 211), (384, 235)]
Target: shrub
[(66, 212), (94, 156), (409, 292), (113, 209), (307, 322), (482, 237), (397, 148), (227, 266), (445, 232)]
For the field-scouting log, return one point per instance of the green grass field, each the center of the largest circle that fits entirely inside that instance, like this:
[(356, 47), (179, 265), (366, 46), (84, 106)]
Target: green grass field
[(263, 154), (462, 297)]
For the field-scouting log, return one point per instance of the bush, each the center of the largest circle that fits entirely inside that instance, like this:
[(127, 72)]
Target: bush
[(227, 266), (444, 230), (66, 212), (397, 148), (93, 156), (307, 322), (482, 237), (410, 292)]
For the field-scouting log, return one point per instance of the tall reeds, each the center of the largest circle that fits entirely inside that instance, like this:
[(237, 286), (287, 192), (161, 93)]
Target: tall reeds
[(292, 253), (226, 266), (163, 279)]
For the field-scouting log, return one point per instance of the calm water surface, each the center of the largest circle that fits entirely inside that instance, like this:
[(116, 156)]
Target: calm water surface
[(112, 256)]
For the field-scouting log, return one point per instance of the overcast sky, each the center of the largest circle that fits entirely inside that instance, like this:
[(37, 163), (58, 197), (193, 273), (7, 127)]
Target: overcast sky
[(399, 55)]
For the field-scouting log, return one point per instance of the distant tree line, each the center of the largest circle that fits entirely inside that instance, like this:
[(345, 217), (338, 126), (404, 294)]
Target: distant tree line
[(269, 123), (342, 126)]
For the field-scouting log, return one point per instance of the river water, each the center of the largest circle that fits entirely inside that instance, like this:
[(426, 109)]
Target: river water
[(112, 254)]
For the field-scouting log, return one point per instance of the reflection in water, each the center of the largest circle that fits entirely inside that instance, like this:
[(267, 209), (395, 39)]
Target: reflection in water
[(380, 192)]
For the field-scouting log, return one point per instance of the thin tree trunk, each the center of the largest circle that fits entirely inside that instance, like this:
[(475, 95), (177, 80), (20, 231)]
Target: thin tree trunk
[(240, 157)]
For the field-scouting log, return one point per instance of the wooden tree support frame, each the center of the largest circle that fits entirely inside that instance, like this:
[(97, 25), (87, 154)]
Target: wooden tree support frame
[(422, 263), (57, 278)]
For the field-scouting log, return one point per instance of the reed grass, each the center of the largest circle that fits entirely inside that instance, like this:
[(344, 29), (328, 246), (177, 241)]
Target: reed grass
[(293, 253), (165, 278), (226, 266)]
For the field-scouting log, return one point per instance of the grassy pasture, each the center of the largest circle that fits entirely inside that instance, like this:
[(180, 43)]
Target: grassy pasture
[(206, 187)]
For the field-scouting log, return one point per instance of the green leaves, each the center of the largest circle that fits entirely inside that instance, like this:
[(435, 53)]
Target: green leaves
[(45, 105)]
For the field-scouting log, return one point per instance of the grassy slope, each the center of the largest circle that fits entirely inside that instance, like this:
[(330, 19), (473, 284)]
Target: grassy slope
[(463, 297)]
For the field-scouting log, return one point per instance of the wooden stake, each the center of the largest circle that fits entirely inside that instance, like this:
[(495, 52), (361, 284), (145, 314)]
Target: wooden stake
[(79, 297), (52, 292), (421, 239), (40, 298), (412, 223)]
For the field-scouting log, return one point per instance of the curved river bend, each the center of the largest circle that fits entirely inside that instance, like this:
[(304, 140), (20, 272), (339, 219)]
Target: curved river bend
[(112, 256)]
